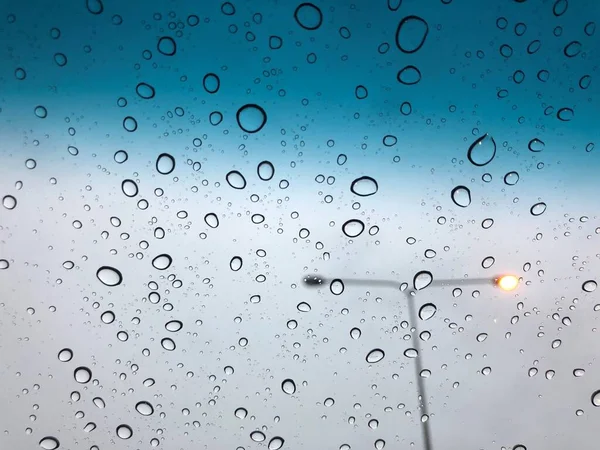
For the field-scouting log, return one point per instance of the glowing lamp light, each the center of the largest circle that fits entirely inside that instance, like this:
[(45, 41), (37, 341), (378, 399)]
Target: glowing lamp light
[(507, 282)]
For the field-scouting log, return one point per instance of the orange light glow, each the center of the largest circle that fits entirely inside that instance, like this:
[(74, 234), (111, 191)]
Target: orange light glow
[(507, 282)]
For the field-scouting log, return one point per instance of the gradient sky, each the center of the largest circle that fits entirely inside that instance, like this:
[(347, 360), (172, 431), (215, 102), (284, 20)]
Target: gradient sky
[(328, 91)]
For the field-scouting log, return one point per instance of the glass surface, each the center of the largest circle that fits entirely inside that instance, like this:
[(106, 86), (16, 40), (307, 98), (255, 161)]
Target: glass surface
[(276, 224)]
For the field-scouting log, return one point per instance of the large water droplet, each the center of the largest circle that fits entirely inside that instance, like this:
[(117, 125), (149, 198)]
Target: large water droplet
[(82, 375), (99, 402), (538, 209), (427, 311), (379, 444), (236, 263), (355, 333), (257, 436), (236, 180), (481, 337), (353, 228), (129, 188), (107, 317), (364, 186), (482, 151), (288, 386), (166, 46), (596, 398), (536, 145), (411, 34), (276, 443), (144, 408), (461, 196), (511, 178), (162, 262), (165, 164), (65, 355), (265, 170), (411, 353), (109, 276), (168, 344), (9, 202), (375, 355), (124, 431), (251, 118), (308, 16), (589, 286), (336, 287), (211, 220), (422, 279), (49, 443), (409, 75), (241, 413), (211, 83), (174, 326)]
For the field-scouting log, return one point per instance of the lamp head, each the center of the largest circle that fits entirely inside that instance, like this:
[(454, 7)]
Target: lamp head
[(507, 282)]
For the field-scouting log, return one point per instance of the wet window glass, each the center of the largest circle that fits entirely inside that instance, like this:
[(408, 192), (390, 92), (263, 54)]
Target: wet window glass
[(284, 224)]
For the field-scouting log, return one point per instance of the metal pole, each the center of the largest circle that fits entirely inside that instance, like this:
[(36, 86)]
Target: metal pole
[(317, 280)]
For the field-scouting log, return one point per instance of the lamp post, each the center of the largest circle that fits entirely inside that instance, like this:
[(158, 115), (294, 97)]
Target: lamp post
[(421, 280)]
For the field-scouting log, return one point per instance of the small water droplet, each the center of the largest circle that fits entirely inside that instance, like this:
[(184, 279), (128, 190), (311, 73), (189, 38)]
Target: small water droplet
[(162, 262), (355, 333), (265, 170), (422, 279), (364, 186), (165, 164), (482, 151), (481, 337), (257, 436), (411, 353), (336, 286), (241, 413), (236, 263), (538, 209), (276, 443), (536, 145), (235, 179), (353, 228), (168, 344), (174, 326), (82, 375)]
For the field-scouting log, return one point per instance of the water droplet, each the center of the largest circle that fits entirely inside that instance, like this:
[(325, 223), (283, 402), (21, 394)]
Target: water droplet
[(308, 16), (578, 372), (353, 228), (166, 46), (236, 263), (481, 337), (257, 436), (251, 118), (288, 386), (99, 403), (168, 344), (556, 343), (375, 355), (9, 202), (109, 276), (75, 396), (130, 124), (94, 6), (276, 443), (120, 156), (550, 374), (409, 75), (265, 170), (422, 279), (487, 223), (65, 355), (511, 178), (4, 264), (482, 151), (165, 164), (124, 431), (565, 114), (89, 427), (536, 145), (235, 179), (364, 186), (162, 262), (589, 286), (211, 220), (355, 333), (145, 91), (427, 311), (538, 209), (129, 188), (144, 408), (379, 444), (149, 382), (41, 111), (241, 413), (82, 375), (596, 398), (303, 307), (572, 49), (461, 196), (174, 326), (488, 262), (411, 353), (341, 159), (411, 34), (49, 443)]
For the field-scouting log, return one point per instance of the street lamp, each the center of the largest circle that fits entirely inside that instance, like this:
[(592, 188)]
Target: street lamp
[(421, 280)]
